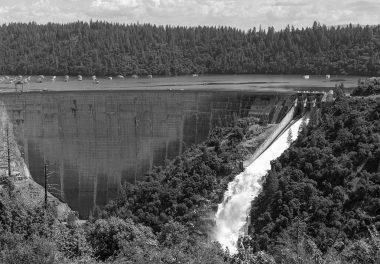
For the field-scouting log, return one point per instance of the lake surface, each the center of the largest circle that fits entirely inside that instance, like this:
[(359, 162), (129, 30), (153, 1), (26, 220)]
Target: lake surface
[(214, 82), (95, 137)]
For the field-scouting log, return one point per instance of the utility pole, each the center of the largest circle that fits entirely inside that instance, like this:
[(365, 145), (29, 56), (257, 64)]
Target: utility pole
[(45, 175), (8, 153)]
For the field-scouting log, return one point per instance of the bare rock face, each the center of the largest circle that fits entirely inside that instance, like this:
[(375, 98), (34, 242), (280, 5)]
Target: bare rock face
[(32, 195)]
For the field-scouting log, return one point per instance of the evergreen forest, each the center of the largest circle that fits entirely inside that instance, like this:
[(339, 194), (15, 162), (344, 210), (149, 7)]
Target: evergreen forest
[(103, 48)]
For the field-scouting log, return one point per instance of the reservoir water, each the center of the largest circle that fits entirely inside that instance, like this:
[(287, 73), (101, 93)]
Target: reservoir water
[(249, 82)]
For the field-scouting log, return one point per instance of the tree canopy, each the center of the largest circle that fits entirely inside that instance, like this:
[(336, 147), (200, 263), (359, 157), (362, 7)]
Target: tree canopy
[(103, 48), (370, 86), (328, 180)]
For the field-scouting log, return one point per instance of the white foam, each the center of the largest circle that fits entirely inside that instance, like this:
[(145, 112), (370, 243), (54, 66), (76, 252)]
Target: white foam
[(233, 211)]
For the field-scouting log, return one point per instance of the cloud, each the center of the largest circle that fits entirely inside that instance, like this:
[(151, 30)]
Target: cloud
[(114, 5), (4, 10), (291, 3), (238, 13)]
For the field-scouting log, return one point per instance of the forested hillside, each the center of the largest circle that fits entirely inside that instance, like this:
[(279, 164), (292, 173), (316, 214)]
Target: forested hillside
[(320, 203), (326, 186), (110, 49)]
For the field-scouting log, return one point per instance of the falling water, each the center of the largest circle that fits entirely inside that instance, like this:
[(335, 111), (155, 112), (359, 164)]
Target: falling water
[(233, 211)]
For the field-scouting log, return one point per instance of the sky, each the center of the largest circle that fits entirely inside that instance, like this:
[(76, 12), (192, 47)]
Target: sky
[(242, 14)]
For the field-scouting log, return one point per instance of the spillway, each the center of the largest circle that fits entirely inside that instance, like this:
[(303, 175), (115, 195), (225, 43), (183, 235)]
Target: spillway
[(233, 211)]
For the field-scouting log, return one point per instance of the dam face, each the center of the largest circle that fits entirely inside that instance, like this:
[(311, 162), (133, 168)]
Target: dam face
[(93, 141)]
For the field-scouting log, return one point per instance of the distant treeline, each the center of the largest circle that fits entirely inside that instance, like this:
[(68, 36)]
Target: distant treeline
[(103, 48)]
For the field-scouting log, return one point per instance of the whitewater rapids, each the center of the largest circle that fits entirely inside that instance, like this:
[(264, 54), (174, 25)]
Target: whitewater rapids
[(233, 211)]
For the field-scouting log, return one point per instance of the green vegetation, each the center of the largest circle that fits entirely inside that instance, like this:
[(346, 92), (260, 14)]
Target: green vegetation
[(103, 48), (186, 187), (162, 219), (325, 189), (367, 87), (320, 203), (23, 231)]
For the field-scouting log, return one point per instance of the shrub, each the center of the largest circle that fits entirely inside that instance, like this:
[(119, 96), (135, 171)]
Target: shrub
[(31, 251)]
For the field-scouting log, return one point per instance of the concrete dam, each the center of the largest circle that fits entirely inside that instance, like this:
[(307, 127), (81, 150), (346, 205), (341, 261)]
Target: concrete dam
[(93, 141)]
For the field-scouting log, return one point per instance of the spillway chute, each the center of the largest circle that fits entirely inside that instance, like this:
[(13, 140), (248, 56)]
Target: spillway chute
[(232, 213)]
